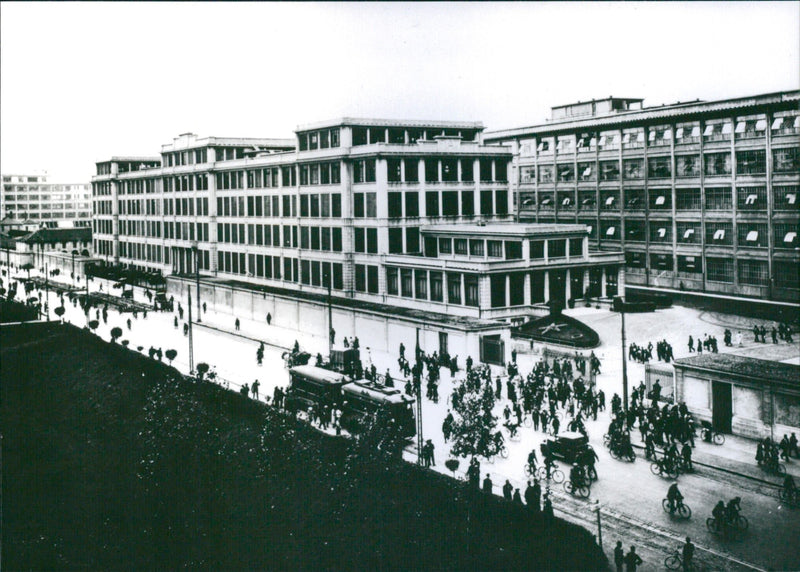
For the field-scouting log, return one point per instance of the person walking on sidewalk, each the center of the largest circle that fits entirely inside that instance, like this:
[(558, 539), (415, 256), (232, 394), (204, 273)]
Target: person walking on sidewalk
[(619, 556), (237, 324), (688, 554), (487, 484), (254, 389), (632, 560)]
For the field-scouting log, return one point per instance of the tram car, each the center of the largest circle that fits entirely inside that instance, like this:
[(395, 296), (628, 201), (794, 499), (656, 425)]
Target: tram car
[(311, 387)]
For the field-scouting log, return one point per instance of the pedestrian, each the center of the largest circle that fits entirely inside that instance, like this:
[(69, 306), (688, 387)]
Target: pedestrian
[(487, 484), (547, 511), (507, 490), (204, 307), (632, 560), (739, 338), (254, 389), (245, 390), (688, 554), (237, 324), (269, 318), (129, 323), (774, 335), (691, 344), (533, 496), (517, 498), (333, 336), (402, 350), (619, 556), (185, 329)]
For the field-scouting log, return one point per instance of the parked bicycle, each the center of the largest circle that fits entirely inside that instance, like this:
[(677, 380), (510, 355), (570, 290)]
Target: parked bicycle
[(680, 509)]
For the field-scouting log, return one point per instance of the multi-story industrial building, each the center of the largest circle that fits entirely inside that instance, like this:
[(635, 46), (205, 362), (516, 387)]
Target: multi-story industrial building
[(401, 213), (32, 198), (701, 196)]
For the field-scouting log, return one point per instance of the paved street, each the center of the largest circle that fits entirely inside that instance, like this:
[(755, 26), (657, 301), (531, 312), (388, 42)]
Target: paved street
[(629, 494)]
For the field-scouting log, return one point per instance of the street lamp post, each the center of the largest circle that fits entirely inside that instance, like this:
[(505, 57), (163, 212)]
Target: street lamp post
[(197, 278), (621, 306), (191, 341), (73, 267), (330, 319), (47, 291)]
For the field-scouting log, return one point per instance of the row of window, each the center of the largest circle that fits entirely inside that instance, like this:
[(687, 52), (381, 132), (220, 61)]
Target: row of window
[(717, 233), (750, 162), (312, 272), (447, 203), (446, 170), (783, 123), (508, 250), (191, 157), (462, 289), (405, 136), (751, 272), (716, 198), (320, 139)]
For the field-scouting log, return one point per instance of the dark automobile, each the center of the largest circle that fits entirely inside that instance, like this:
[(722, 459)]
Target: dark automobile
[(566, 446)]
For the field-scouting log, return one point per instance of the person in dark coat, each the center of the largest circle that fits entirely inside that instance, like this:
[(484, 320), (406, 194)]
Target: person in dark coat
[(487, 484), (507, 490), (619, 556), (632, 560)]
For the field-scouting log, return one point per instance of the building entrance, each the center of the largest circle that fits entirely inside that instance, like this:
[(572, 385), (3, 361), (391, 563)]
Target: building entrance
[(721, 406), (558, 279)]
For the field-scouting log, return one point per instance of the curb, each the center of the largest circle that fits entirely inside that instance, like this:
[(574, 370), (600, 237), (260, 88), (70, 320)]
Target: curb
[(724, 470), (215, 328)]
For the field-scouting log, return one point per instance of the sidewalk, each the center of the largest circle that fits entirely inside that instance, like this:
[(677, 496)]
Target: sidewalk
[(737, 456)]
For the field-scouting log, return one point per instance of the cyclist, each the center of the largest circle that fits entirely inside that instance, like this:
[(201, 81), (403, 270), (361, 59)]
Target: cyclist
[(576, 476), (532, 460), (790, 487), (719, 514), (549, 463), (734, 507), (588, 458), (674, 496)]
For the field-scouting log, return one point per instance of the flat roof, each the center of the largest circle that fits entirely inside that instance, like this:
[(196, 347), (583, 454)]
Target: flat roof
[(646, 114), (373, 122), (743, 366), (509, 229)]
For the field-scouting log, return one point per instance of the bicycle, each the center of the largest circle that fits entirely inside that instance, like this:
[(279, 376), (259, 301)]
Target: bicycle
[(617, 453), (775, 468), (664, 469), (582, 490), (556, 475), (735, 528), (709, 435), (682, 510), (675, 561)]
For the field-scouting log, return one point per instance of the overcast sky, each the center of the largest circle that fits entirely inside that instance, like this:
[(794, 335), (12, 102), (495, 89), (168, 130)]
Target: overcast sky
[(82, 82)]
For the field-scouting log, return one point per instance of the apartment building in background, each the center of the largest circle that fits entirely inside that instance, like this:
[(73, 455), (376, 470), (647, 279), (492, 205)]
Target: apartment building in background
[(35, 200), (702, 197)]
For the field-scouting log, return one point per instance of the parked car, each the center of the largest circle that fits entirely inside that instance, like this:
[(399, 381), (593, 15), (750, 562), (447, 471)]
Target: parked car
[(566, 446)]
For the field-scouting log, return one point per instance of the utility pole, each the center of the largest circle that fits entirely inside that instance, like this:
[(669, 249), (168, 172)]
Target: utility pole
[(197, 278), (47, 292), (418, 368), (191, 343), (330, 320), (599, 526), (624, 356)]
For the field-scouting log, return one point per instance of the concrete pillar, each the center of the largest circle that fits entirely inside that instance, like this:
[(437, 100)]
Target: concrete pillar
[(508, 290), (546, 286), (527, 294), (603, 284), (621, 281), (567, 286), (585, 281)]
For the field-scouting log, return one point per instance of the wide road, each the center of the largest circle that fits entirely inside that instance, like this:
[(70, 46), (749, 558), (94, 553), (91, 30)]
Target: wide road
[(629, 494)]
